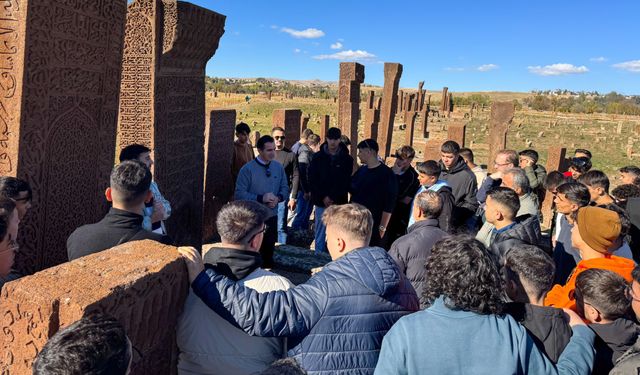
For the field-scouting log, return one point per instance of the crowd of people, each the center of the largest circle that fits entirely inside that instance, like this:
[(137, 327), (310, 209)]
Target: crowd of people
[(436, 267)]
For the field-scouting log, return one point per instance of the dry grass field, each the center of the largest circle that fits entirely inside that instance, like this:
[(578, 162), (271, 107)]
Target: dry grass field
[(540, 130)]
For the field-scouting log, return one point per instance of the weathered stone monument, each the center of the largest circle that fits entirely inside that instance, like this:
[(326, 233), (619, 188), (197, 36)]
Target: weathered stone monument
[(324, 126), (457, 132), (167, 45), (142, 284), (289, 120), (501, 116), (304, 123), (371, 117), (59, 80), (392, 73), (432, 150), (555, 162), (410, 122), (218, 186), (445, 99), (351, 76)]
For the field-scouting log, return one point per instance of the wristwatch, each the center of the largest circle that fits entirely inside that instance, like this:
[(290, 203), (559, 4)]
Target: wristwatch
[(382, 228)]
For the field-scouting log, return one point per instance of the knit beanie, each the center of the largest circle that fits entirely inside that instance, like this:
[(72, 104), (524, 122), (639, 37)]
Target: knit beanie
[(598, 227)]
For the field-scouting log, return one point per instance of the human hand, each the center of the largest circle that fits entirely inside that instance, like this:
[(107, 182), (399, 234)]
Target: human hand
[(268, 198), (573, 318), (292, 204), (158, 212), (193, 260)]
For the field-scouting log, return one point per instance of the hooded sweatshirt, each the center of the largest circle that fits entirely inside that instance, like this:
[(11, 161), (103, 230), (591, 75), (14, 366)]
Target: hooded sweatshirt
[(612, 341), (463, 183), (561, 296)]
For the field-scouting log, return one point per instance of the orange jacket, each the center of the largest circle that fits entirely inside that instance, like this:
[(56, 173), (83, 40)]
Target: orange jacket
[(562, 295)]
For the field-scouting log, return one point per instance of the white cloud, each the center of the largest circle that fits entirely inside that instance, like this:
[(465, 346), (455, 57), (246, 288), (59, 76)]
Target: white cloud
[(487, 67), (557, 69), (274, 27), (336, 45), (454, 69), (297, 50), (632, 66), (309, 33), (347, 55), (599, 59)]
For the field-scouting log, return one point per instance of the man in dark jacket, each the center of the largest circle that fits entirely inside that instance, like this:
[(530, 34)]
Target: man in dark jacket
[(289, 162), (462, 181), (428, 175), (502, 206), (329, 179), (374, 186), (408, 186), (304, 206), (529, 274), (129, 190), (412, 250), (336, 321)]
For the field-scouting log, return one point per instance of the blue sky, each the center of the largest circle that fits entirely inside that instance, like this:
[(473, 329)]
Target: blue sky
[(466, 45)]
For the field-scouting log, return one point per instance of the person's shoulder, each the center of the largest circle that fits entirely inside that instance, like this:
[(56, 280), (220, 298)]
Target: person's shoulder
[(262, 280)]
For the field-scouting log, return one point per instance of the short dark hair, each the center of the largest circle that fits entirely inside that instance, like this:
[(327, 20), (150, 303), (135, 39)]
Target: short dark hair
[(581, 165), (507, 198), (467, 154), (277, 128), (133, 152), (606, 291), (531, 154), (264, 140), (333, 133), (243, 128), (575, 192), (345, 140), (429, 167), (370, 144), (405, 152), (625, 191), (313, 139), (7, 206), (237, 220), (461, 270), (530, 265), (285, 366), (553, 180), (583, 151), (94, 345), (635, 274), (595, 179), (430, 202), (131, 179), (450, 147), (631, 169), (11, 187)]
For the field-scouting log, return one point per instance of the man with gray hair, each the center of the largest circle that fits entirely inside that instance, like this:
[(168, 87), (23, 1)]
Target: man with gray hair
[(209, 344), (516, 179), (412, 250), (505, 160)]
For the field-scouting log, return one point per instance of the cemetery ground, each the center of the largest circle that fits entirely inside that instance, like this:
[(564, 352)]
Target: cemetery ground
[(607, 136)]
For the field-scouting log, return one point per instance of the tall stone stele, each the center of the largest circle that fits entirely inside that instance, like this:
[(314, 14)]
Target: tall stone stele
[(351, 76), (392, 73), (167, 45), (59, 80)]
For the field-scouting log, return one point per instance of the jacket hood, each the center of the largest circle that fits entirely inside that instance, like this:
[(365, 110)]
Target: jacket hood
[(621, 266), (527, 229), (233, 263), (620, 335), (342, 149), (459, 166), (372, 267)]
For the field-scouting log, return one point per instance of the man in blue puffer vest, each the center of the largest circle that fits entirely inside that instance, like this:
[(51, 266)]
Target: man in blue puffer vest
[(335, 322)]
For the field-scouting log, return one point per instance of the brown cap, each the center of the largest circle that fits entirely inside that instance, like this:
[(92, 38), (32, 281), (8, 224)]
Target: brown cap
[(598, 227)]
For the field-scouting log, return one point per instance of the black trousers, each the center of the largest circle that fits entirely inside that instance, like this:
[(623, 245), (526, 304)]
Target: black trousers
[(269, 242)]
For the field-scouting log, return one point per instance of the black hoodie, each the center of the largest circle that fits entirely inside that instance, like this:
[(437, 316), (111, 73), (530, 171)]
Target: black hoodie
[(330, 175), (612, 341), (465, 187)]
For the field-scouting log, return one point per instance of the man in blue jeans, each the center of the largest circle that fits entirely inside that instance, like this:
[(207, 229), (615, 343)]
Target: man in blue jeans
[(329, 179), (304, 206), (289, 162)]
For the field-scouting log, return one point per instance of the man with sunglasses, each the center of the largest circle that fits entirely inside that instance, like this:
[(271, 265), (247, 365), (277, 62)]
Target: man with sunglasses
[(209, 344), (289, 162), (264, 180)]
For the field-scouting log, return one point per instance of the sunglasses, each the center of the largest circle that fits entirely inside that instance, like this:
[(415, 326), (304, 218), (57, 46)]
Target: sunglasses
[(279, 137)]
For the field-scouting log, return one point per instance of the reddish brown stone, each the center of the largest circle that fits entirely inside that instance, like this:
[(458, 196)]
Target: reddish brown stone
[(351, 76), (289, 120), (59, 74), (218, 187), (400, 101), (410, 122), (421, 94), (143, 284), (324, 126), (392, 73), (424, 122), (443, 105), (501, 116), (371, 117), (167, 46), (304, 122), (432, 150), (456, 132), (555, 162)]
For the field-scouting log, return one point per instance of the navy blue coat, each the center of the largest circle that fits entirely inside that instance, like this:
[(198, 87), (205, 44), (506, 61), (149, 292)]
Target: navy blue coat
[(335, 321)]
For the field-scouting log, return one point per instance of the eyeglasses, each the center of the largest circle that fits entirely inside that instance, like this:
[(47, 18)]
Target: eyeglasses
[(500, 165), (631, 295), (25, 199), (279, 137), (264, 229), (13, 246)]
